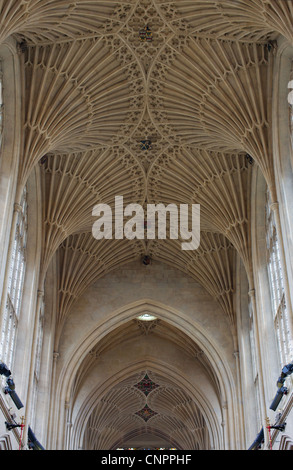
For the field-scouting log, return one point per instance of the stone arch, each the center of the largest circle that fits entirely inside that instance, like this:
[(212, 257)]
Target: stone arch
[(5, 442), (166, 371), (126, 313)]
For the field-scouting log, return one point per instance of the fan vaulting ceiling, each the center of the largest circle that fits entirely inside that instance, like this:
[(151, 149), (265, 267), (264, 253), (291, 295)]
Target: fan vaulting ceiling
[(157, 101)]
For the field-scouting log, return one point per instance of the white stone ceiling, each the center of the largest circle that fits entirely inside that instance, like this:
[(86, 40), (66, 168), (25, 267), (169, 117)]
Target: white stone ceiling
[(200, 90), (177, 420), (145, 403)]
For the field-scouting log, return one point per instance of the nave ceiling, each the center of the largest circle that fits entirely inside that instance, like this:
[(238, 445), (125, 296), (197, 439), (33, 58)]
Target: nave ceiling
[(199, 91), (198, 88), (146, 402), (178, 421)]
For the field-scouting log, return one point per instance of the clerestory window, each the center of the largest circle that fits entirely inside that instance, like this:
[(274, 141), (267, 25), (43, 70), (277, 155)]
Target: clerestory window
[(16, 272), (278, 297), (1, 103)]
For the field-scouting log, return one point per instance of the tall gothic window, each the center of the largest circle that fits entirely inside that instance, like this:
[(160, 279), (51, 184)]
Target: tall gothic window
[(16, 273), (278, 298), (1, 103), (290, 100)]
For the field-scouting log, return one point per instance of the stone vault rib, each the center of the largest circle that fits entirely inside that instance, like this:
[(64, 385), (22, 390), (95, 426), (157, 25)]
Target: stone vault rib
[(244, 20), (75, 183), (40, 21), (218, 181), (73, 105), (214, 95)]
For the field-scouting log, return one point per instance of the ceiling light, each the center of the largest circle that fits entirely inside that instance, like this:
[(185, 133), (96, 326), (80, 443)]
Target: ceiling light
[(146, 317)]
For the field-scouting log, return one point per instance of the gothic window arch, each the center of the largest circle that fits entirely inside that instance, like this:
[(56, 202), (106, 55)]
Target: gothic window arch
[(290, 101), (15, 273), (1, 102), (277, 290), (10, 135)]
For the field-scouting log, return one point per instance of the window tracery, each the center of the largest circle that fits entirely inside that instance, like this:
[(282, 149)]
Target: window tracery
[(1, 103), (276, 279), (16, 272), (290, 101)]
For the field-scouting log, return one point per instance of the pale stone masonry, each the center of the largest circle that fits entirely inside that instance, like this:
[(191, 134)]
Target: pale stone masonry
[(158, 102)]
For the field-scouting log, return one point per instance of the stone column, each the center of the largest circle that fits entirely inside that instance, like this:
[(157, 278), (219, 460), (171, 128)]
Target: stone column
[(28, 408), (68, 425), (259, 355), (52, 423), (240, 431)]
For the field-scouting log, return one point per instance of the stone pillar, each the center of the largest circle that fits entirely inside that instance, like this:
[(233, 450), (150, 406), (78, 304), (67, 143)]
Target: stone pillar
[(52, 423), (68, 426), (239, 432), (28, 408), (259, 355)]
